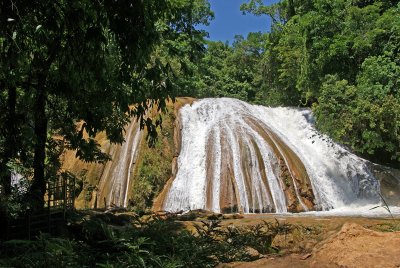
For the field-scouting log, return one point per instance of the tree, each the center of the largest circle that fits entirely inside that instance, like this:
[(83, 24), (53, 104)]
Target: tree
[(340, 57), (76, 68), (183, 46)]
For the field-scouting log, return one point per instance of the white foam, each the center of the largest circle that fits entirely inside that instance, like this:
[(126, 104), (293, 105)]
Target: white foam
[(341, 181)]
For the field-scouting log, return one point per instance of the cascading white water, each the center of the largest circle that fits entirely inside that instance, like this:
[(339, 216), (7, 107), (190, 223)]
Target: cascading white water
[(339, 178), (115, 180), (232, 148)]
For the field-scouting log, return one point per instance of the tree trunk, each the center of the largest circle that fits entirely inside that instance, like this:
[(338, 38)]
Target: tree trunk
[(10, 138), (38, 188)]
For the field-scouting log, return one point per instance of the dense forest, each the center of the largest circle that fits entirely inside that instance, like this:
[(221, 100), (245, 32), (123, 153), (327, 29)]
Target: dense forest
[(341, 58), (63, 63), (70, 70)]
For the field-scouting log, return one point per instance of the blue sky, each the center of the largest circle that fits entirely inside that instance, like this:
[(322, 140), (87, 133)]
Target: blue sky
[(229, 20)]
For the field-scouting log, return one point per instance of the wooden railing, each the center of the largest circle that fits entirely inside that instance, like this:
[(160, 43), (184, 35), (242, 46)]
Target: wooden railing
[(60, 197), (61, 193)]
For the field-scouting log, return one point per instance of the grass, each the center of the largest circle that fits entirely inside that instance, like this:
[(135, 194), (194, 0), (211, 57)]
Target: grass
[(393, 226)]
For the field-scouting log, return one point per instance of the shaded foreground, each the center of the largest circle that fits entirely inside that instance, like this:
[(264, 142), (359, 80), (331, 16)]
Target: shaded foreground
[(205, 239)]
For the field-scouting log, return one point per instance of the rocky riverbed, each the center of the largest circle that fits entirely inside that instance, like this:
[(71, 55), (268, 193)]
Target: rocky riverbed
[(329, 242)]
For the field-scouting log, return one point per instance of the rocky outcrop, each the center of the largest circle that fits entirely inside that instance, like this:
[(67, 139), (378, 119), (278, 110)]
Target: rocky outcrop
[(244, 164), (355, 246), (107, 185), (239, 165), (88, 174), (113, 183), (389, 179), (351, 247), (158, 203)]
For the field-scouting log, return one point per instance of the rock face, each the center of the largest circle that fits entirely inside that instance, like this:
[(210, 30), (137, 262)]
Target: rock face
[(119, 182), (121, 169), (355, 246), (237, 157), (351, 247), (389, 179), (158, 204), (88, 173), (109, 184), (245, 168), (227, 156)]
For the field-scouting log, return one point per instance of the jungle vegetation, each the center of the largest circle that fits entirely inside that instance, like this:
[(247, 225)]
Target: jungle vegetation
[(72, 69), (340, 58)]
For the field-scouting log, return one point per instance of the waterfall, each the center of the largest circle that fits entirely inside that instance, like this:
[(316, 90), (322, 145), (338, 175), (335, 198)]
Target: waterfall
[(117, 173), (237, 157)]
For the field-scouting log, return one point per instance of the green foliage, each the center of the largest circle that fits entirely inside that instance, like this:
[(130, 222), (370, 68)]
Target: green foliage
[(15, 204), (183, 44), (228, 71), (393, 226), (44, 252), (154, 166), (342, 58), (71, 71), (369, 111), (141, 242)]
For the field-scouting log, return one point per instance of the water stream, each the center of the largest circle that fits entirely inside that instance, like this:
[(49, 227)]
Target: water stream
[(117, 174), (237, 157)]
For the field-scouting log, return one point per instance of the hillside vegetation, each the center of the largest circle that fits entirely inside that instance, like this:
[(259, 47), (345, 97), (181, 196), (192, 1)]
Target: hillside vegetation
[(75, 74), (339, 57)]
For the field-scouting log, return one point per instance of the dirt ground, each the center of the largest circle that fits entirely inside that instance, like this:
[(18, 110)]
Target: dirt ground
[(319, 242)]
